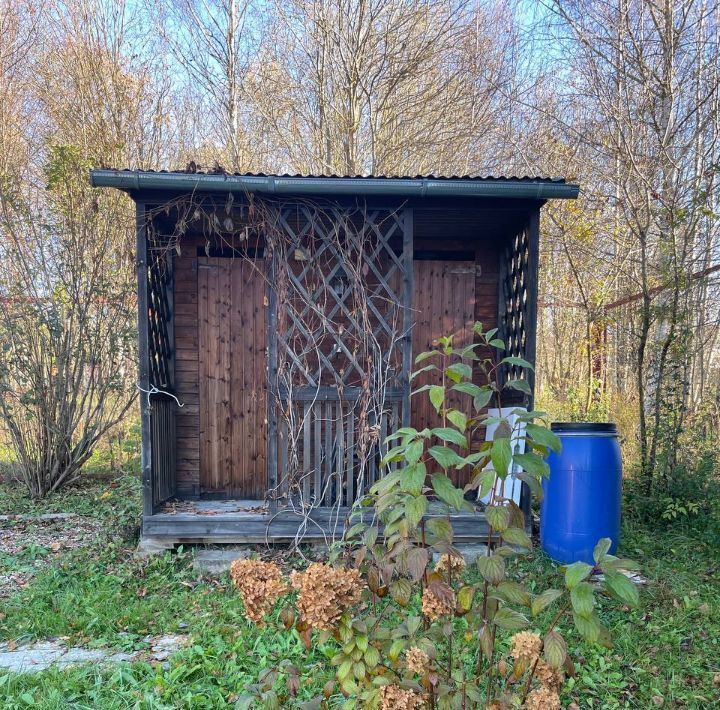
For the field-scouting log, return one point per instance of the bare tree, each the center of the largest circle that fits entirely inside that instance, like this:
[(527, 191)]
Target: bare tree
[(213, 41), (646, 73), (381, 86)]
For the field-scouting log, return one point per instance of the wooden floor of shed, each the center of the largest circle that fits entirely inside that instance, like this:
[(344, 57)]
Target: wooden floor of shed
[(250, 521)]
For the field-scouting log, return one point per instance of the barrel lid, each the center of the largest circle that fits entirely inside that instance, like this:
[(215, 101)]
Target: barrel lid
[(584, 427)]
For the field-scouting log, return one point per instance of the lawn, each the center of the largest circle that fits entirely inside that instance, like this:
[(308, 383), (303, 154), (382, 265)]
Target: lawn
[(97, 594)]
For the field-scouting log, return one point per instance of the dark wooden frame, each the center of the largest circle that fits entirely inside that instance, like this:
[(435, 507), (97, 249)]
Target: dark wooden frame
[(156, 371), (157, 410), (144, 357)]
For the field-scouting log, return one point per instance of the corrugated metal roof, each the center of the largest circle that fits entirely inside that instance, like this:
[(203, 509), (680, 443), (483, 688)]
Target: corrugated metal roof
[(526, 186), (316, 176)]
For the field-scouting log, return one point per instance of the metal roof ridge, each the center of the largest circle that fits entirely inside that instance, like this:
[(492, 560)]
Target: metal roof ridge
[(407, 186)]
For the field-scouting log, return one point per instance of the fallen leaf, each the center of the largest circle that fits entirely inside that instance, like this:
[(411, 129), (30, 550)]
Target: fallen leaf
[(658, 700)]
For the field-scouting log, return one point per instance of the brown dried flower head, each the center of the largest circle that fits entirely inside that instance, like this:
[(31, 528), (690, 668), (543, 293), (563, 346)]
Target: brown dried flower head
[(549, 677), (393, 697), (260, 584), (417, 660), (325, 593), (525, 645), (450, 564), (435, 605), (543, 699)]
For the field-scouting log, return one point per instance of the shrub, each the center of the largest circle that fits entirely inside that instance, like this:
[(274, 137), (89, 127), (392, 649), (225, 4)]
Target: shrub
[(67, 322), (411, 633), (690, 498)]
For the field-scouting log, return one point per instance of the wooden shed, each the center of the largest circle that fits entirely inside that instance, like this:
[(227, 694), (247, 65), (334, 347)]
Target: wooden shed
[(278, 317)]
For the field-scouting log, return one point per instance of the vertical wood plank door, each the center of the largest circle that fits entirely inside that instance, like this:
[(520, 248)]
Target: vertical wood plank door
[(232, 377), (443, 304)]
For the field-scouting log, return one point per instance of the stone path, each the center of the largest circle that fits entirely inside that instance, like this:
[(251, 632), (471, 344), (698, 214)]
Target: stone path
[(40, 656)]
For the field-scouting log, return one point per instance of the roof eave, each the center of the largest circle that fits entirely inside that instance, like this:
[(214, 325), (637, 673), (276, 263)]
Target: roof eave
[(137, 180)]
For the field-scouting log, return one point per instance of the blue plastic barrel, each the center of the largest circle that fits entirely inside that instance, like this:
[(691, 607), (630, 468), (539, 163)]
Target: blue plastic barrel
[(581, 501)]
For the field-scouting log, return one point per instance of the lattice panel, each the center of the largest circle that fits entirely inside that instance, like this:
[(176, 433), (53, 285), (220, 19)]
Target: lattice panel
[(340, 296), (162, 435), (515, 294), (160, 316), (340, 348)]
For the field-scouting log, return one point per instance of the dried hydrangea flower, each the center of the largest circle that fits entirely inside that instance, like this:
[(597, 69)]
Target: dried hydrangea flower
[(450, 564), (325, 593), (393, 697), (260, 584), (417, 660), (543, 699), (434, 605), (526, 646), (549, 677)]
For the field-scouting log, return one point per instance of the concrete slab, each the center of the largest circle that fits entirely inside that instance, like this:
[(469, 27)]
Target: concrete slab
[(29, 660), (40, 656), (217, 562), (149, 547), (471, 551)]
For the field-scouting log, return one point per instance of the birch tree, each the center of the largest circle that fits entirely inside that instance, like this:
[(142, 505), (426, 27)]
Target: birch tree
[(647, 76)]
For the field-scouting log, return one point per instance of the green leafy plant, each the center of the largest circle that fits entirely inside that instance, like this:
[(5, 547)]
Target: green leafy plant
[(427, 632), (677, 508)]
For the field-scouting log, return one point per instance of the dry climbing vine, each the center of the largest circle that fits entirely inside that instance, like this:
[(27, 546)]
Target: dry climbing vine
[(337, 368)]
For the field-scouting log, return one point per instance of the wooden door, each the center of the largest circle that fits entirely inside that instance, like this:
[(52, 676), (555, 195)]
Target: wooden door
[(232, 377), (443, 304)]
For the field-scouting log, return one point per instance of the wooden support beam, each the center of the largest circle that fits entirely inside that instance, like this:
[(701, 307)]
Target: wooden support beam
[(533, 271), (533, 275), (285, 526), (408, 229), (170, 325), (272, 400), (144, 357)]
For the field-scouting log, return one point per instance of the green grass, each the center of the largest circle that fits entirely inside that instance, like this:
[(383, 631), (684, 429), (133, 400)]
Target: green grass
[(103, 596), (116, 498), (668, 648), (106, 599)]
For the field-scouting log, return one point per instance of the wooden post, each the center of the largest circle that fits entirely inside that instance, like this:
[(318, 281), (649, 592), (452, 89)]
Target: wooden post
[(144, 357), (170, 294), (172, 409), (407, 310), (533, 273), (533, 228), (272, 407)]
